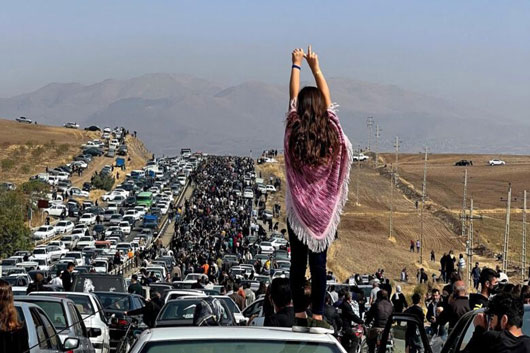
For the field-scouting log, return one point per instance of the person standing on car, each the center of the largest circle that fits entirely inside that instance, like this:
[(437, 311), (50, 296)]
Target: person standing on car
[(13, 333), (499, 328), (67, 278), (317, 163)]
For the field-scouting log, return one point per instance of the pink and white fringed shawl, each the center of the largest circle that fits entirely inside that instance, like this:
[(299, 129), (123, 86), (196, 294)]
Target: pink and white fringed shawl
[(316, 195)]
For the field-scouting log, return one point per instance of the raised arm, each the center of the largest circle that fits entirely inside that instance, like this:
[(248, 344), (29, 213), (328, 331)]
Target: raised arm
[(312, 61), (294, 84)]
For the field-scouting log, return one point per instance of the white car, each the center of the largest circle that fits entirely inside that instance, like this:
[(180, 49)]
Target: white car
[(23, 119), (79, 259), (60, 245), (88, 218), (125, 227), (248, 194), (262, 188), (266, 247), (71, 125), (64, 227), (270, 188), (109, 230), (55, 252), (62, 175), (360, 157), (55, 210), (276, 243), (78, 192), (111, 196), (107, 129), (496, 162), (140, 210), (41, 253), (43, 264), (44, 232), (122, 192), (101, 265), (134, 214), (80, 164), (86, 241), (70, 241)]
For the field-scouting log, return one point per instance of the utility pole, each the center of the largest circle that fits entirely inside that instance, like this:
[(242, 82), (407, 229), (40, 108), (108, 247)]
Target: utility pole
[(423, 190), (377, 135), (469, 245), (523, 256), (392, 181), (507, 231), (358, 177), (396, 173), (464, 205), (370, 124)]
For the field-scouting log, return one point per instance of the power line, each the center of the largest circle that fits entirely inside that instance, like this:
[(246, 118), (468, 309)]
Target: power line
[(507, 230), (523, 255), (423, 191), (377, 135), (370, 124), (464, 205)]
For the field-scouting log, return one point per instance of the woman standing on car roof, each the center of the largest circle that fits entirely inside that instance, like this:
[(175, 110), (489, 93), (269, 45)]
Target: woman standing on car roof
[(13, 333), (317, 162)]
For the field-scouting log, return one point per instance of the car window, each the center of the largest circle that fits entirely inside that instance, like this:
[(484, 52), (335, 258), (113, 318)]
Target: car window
[(77, 321), (55, 312)]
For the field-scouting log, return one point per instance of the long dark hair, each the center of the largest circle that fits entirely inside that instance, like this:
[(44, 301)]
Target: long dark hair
[(8, 312), (313, 141)]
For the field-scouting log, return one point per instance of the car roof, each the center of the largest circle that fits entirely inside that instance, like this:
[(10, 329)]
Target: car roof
[(42, 298), (235, 333)]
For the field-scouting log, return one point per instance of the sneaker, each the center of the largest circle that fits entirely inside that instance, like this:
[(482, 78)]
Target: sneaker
[(319, 326), (300, 325)]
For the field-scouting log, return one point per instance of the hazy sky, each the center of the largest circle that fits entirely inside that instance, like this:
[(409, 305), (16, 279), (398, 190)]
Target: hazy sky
[(467, 51)]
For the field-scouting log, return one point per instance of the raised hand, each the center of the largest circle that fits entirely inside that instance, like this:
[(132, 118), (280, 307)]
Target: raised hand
[(312, 60), (298, 56)]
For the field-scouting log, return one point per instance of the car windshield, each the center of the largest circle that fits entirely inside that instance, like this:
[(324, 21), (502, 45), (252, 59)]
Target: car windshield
[(238, 345), (114, 301), (42, 229), (39, 251), (231, 305), (179, 310), (86, 239)]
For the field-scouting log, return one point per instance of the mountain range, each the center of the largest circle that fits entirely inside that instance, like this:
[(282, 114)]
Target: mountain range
[(171, 111)]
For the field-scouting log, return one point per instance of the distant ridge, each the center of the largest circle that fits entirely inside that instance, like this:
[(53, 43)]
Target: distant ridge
[(170, 111)]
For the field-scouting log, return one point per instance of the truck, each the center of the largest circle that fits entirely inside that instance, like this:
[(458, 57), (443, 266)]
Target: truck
[(150, 221), (120, 162)]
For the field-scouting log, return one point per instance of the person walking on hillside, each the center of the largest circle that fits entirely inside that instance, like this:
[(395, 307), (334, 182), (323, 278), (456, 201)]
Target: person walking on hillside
[(411, 249), (318, 156), (418, 245)]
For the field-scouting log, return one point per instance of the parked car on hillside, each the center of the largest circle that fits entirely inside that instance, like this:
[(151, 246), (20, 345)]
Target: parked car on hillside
[(71, 125), (463, 163), (496, 162), (64, 226), (23, 119)]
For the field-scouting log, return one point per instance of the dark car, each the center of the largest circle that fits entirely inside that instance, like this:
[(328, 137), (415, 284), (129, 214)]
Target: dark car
[(464, 163), (129, 202), (180, 311), (99, 282), (464, 328), (99, 229), (93, 128), (93, 151), (94, 210), (115, 304), (87, 186)]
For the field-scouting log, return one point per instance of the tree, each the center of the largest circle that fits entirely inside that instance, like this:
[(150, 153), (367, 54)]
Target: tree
[(14, 233)]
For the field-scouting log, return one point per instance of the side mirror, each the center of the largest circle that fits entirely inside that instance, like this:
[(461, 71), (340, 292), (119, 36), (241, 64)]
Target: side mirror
[(94, 332), (70, 344), (403, 330)]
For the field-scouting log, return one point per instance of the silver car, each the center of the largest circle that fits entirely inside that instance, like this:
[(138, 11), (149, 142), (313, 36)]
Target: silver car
[(42, 336), (66, 319)]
